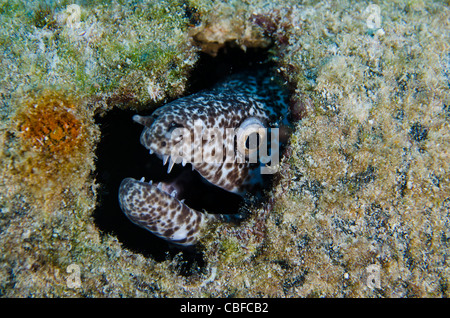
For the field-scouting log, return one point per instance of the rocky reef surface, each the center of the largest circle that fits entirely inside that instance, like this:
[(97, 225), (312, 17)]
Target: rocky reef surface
[(360, 208)]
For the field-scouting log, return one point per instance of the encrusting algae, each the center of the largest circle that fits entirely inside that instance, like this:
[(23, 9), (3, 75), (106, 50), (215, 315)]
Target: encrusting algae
[(53, 142), (49, 126), (363, 189)]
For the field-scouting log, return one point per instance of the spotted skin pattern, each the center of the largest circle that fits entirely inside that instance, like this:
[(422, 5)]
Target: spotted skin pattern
[(157, 208)]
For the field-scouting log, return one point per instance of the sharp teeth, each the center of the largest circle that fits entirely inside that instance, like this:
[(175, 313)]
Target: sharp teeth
[(174, 193), (165, 159), (183, 162), (150, 151), (142, 179), (159, 186), (182, 201), (171, 163), (150, 182)]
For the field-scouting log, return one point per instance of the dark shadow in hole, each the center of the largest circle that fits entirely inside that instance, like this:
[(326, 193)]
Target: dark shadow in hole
[(230, 60), (121, 155)]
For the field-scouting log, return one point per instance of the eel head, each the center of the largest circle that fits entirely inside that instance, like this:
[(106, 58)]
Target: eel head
[(217, 126)]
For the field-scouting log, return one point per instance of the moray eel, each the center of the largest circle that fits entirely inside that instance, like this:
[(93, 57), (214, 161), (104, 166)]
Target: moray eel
[(243, 102)]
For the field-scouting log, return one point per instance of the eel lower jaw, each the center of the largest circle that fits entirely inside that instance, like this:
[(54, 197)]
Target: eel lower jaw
[(152, 207), (160, 207), (171, 189)]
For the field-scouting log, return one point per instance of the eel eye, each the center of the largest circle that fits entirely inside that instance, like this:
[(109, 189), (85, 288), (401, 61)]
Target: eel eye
[(173, 125), (251, 133)]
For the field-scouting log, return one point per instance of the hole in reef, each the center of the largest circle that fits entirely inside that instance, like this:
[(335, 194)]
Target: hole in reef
[(120, 155)]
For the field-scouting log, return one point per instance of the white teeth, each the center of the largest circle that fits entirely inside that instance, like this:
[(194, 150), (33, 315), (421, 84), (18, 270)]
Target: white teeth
[(159, 186), (183, 162), (150, 182), (142, 179), (165, 159), (171, 163), (182, 201), (150, 151), (174, 193)]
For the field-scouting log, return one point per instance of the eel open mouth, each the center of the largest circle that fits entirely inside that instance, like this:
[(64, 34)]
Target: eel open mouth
[(170, 208), (220, 133)]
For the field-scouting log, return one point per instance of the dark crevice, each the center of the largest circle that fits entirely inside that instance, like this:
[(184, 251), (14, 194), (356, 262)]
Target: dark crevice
[(230, 60), (120, 155)]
